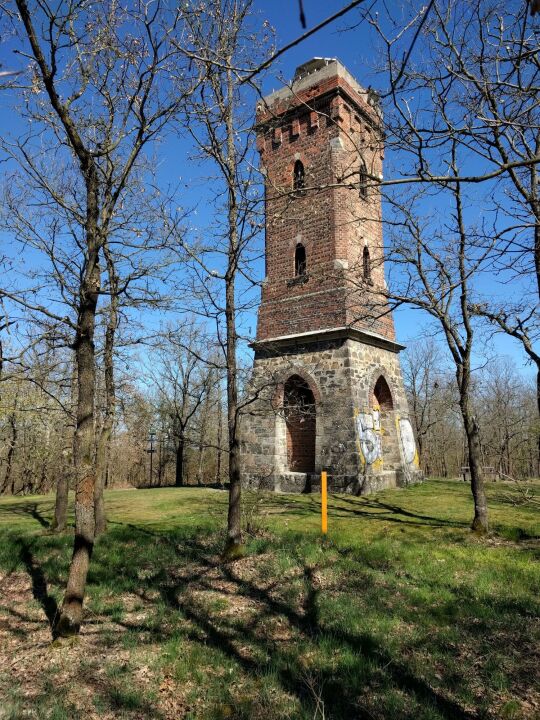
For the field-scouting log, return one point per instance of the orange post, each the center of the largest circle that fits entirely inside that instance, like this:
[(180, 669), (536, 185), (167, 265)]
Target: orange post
[(324, 504)]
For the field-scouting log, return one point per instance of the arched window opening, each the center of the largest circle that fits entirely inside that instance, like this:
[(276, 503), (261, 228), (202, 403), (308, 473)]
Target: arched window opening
[(300, 260), (299, 176), (300, 420), (382, 395), (362, 181), (366, 264)]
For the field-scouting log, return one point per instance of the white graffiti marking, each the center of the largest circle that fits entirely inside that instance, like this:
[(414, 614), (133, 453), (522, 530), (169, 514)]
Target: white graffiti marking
[(407, 440), (370, 441)]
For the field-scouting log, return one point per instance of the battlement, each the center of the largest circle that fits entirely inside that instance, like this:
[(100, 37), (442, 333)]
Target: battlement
[(316, 79)]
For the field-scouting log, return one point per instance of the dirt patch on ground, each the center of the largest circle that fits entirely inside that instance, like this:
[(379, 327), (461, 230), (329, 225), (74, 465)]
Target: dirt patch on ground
[(146, 653), (96, 671)]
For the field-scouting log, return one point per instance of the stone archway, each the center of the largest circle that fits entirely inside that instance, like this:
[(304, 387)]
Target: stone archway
[(385, 421), (382, 397), (300, 420)]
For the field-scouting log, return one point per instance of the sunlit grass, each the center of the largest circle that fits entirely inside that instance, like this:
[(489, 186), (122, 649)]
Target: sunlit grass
[(400, 613)]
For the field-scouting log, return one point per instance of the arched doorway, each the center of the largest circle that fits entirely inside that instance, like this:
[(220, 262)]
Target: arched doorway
[(382, 397), (300, 420), (384, 422)]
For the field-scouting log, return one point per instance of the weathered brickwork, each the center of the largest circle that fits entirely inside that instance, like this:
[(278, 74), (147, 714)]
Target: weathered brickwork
[(328, 327), (328, 124)]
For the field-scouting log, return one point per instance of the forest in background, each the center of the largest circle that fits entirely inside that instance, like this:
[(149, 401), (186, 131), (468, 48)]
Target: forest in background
[(172, 407)]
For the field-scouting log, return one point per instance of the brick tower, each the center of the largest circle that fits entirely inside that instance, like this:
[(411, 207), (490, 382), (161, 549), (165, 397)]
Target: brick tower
[(327, 385)]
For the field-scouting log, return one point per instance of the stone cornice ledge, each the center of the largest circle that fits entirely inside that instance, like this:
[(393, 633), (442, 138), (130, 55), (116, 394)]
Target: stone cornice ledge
[(349, 333)]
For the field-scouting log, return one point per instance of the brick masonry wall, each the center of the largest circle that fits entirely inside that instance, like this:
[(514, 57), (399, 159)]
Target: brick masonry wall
[(329, 126)]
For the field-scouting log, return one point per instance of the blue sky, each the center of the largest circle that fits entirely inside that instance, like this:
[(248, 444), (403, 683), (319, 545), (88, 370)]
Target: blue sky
[(356, 49)]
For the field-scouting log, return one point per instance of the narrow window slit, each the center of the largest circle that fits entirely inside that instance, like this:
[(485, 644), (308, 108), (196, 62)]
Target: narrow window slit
[(362, 182), (299, 176), (366, 265), (300, 264)]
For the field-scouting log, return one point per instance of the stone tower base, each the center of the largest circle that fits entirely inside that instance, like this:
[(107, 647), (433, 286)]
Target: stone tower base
[(347, 414)]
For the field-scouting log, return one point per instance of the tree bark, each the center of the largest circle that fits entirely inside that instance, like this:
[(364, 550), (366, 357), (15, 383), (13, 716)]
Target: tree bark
[(70, 617), (179, 469), (233, 546), (538, 406), (202, 431), (480, 521), (102, 458), (219, 441), (104, 442), (472, 434), (61, 502), (9, 478)]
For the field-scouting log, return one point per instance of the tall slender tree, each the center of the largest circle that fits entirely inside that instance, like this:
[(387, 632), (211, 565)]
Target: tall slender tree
[(224, 46), (100, 93)]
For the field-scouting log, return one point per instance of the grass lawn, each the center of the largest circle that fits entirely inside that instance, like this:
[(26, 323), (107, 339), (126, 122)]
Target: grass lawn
[(401, 613)]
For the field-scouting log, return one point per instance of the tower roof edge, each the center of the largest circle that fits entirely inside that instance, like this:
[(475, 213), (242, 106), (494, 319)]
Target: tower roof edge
[(312, 78)]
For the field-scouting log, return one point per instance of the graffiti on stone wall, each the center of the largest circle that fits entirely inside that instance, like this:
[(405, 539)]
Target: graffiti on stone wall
[(368, 428), (408, 444)]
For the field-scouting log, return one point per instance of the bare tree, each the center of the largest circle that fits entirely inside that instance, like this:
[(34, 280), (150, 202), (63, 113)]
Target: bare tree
[(34, 420), (423, 374), (437, 269), (505, 403), (211, 399), (99, 94), (481, 62), (181, 377), (222, 42), (492, 72)]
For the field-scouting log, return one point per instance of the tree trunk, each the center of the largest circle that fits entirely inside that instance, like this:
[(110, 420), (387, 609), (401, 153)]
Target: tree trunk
[(70, 617), (104, 441), (201, 459), (9, 478), (160, 463), (420, 446), (234, 529), (102, 457), (179, 470), (233, 546), (480, 521), (538, 406), (202, 433), (219, 441), (61, 503)]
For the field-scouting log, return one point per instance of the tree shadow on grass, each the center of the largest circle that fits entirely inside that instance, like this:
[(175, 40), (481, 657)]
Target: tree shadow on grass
[(23, 509), (242, 641), (39, 583), (17, 623), (343, 506), (391, 510), (335, 692), (346, 687)]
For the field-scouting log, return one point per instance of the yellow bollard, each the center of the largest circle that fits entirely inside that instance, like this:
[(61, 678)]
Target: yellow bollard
[(324, 506)]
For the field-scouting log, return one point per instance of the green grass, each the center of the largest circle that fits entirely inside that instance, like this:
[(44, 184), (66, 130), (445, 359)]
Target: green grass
[(400, 613)]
